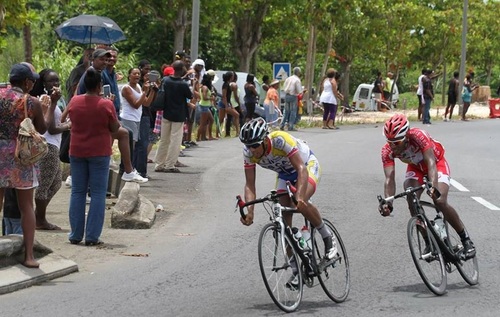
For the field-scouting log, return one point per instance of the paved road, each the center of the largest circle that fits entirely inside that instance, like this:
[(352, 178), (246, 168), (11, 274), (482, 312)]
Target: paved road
[(204, 263)]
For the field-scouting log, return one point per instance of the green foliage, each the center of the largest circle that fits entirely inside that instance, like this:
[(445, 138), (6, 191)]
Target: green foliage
[(403, 35)]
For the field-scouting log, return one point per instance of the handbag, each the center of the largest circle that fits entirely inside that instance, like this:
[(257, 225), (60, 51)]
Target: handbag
[(64, 149), (31, 146), (159, 101)]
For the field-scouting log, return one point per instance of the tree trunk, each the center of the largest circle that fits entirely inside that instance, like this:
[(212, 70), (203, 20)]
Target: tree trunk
[(344, 81), (248, 33), (28, 45), (180, 25)]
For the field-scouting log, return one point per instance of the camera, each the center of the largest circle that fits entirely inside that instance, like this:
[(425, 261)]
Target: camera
[(153, 77)]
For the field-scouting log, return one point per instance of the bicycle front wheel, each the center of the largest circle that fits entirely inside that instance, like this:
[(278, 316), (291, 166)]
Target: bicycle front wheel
[(427, 256), (333, 274), (469, 268), (284, 287)]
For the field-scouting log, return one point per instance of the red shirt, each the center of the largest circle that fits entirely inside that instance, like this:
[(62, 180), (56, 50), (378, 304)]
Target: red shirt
[(418, 142), (91, 117)]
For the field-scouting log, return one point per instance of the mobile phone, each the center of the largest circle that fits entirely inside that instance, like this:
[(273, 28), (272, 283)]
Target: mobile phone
[(153, 77), (106, 91)]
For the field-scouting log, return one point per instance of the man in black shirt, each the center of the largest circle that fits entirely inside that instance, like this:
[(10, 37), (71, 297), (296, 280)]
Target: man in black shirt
[(175, 110)]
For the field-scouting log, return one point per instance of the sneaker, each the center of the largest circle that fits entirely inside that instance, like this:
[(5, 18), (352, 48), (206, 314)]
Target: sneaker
[(134, 177), (68, 181), (330, 247), (469, 249), (293, 282)]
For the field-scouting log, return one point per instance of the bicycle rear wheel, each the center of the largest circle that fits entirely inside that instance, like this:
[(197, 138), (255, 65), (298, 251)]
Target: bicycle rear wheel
[(276, 270), (427, 256), (469, 268), (334, 275)]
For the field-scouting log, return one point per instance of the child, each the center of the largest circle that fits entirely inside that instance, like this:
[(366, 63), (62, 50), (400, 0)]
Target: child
[(11, 214)]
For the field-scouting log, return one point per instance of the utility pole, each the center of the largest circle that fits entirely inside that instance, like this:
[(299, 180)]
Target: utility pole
[(463, 59), (195, 29)]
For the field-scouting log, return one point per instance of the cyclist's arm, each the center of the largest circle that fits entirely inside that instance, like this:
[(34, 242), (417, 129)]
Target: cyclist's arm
[(389, 189), (249, 191), (430, 162), (390, 183), (302, 179)]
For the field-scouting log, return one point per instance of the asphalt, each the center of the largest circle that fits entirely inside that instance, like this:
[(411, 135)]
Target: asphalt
[(14, 276)]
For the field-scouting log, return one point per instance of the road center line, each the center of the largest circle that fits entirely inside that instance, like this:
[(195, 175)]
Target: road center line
[(485, 203), (458, 186)]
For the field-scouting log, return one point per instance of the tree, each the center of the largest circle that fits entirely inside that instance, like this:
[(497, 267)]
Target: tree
[(247, 17), (13, 14)]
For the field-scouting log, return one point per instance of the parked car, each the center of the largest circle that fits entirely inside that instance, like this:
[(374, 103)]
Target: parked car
[(363, 99)]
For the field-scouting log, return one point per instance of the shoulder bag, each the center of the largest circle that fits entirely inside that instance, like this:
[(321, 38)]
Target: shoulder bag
[(31, 146)]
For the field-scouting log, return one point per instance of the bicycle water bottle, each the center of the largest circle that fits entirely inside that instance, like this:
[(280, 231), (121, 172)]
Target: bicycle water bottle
[(298, 237), (439, 226), (307, 237)]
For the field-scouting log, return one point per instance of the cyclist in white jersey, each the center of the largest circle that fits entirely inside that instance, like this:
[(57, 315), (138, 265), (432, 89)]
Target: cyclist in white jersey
[(292, 159)]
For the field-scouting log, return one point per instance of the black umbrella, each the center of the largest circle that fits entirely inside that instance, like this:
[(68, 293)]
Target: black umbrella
[(88, 29)]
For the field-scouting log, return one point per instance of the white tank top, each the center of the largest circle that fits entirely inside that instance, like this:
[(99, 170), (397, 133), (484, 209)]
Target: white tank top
[(55, 139), (327, 95), (129, 112)]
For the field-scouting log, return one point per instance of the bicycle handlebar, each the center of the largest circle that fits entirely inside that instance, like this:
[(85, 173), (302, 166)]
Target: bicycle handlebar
[(242, 204), (426, 185)]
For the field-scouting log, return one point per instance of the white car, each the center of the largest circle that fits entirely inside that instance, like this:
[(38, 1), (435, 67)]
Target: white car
[(363, 99)]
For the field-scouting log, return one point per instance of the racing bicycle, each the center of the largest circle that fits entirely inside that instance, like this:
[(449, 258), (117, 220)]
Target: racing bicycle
[(278, 248), (434, 251)]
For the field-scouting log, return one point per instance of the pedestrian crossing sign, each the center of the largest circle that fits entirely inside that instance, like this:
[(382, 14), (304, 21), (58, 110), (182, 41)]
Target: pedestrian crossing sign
[(281, 71)]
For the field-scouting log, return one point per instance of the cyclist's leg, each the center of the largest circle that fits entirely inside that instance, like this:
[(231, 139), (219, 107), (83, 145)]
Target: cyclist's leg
[(414, 177), (450, 214)]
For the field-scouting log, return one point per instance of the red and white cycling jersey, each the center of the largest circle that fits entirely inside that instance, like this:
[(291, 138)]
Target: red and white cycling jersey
[(418, 142)]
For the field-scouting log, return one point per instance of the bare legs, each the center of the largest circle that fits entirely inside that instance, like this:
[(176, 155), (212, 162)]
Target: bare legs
[(25, 202), (123, 145)]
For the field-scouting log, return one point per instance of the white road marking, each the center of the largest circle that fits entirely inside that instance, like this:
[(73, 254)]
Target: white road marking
[(458, 186), (485, 203)]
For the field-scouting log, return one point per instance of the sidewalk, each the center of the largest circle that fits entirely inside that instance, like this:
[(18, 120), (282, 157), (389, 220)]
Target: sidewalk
[(67, 258), (476, 110)]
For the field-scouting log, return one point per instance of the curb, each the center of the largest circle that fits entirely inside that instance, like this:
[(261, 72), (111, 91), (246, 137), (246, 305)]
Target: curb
[(16, 277)]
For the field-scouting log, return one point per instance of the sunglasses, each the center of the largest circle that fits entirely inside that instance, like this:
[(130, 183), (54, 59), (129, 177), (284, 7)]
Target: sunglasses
[(253, 146), (396, 142)]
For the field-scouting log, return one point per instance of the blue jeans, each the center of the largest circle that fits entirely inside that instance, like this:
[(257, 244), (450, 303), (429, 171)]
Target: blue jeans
[(290, 112), (140, 156), (12, 226), (270, 113), (427, 114), (89, 172)]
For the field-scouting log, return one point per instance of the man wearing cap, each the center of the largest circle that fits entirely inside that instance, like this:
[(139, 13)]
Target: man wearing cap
[(15, 175), (293, 88), (99, 62), (109, 78), (125, 141)]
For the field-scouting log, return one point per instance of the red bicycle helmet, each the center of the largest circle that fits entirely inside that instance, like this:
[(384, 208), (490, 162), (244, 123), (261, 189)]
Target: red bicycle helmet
[(396, 127)]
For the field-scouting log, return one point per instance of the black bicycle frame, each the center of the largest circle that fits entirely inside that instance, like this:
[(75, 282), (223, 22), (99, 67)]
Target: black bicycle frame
[(444, 247)]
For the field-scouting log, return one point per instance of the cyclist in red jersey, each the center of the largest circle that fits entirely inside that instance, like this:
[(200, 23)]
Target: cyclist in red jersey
[(425, 157)]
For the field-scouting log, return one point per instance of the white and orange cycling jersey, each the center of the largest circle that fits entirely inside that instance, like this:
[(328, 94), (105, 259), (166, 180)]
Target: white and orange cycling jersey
[(277, 158), (413, 155)]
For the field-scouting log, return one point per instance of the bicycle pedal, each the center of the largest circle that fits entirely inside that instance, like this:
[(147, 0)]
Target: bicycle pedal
[(324, 263)]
